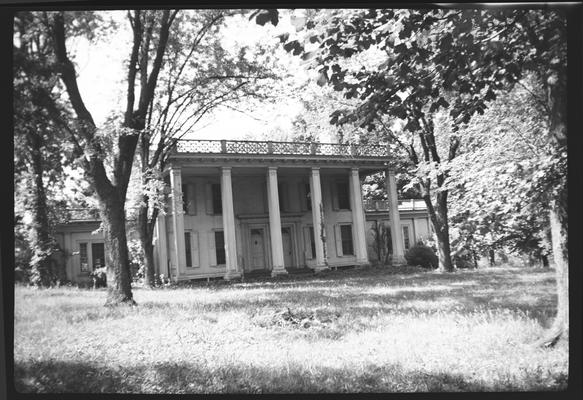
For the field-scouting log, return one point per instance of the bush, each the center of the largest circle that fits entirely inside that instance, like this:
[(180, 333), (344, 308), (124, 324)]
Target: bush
[(421, 255), (99, 277)]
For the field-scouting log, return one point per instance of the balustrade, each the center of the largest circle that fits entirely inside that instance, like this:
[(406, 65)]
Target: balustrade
[(280, 148)]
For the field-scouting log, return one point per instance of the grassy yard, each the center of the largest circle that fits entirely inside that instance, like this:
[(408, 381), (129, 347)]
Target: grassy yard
[(369, 330)]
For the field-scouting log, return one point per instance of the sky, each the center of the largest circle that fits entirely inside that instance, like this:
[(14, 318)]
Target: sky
[(102, 81)]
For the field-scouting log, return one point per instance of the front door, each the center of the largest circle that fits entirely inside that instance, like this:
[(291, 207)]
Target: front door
[(287, 247), (257, 249), (97, 255)]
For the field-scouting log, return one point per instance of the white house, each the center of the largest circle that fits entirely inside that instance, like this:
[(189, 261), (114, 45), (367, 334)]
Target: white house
[(242, 206)]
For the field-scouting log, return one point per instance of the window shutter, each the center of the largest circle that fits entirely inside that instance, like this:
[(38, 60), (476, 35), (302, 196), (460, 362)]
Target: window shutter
[(338, 237), (209, 199), (191, 192), (212, 250), (195, 252)]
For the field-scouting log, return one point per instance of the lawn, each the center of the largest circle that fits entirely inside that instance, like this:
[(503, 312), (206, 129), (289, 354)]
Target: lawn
[(368, 330)]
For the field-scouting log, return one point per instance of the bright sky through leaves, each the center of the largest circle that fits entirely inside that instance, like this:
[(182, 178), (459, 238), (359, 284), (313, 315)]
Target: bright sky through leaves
[(102, 76)]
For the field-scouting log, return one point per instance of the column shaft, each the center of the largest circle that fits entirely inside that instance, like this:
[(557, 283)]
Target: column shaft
[(177, 220), (232, 270), (359, 227), (317, 218), (396, 231), (275, 223)]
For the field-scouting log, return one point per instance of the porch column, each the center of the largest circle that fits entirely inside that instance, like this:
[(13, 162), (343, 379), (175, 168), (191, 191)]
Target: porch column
[(162, 246), (317, 214), (396, 231), (358, 217), (232, 271), (275, 223), (177, 219)]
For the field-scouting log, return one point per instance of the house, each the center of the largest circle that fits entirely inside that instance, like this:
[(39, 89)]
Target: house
[(244, 206)]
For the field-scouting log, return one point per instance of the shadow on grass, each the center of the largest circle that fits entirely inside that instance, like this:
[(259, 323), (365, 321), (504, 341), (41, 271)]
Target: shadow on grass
[(369, 291), (65, 377)]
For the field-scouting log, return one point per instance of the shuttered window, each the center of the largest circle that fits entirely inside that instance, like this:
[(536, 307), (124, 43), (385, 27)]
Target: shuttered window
[(220, 247), (346, 237), (84, 258), (343, 195), (217, 201), (188, 249)]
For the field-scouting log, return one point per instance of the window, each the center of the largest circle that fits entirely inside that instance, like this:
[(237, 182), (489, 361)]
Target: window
[(98, 255), (312, 242), (281, 195), (406, 240), (188, 249), (343, 195), (217, 200), (220, 247), (346, 237), (83, 257), (308, 196), (185, 198)]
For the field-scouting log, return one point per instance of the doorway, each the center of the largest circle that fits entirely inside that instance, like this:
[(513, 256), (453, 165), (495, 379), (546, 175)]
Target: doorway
[(286, 238), (257, 245)]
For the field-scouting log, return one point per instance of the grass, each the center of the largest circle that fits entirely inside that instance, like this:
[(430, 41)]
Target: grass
[(368, 330)]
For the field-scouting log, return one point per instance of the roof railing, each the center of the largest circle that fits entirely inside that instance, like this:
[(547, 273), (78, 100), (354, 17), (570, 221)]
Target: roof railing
[(252, 147)]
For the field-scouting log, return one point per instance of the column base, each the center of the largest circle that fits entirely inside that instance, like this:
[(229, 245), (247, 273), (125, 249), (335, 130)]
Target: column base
[(278, 271), (230, 275), (398, 260)]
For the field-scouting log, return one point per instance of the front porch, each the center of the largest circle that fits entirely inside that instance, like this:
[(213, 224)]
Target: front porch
[(245, 207)]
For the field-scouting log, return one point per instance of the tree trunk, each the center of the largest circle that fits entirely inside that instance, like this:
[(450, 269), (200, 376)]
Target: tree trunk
[(119, 289), (40, 240), (559, 224), (492, 257), (438, 217)]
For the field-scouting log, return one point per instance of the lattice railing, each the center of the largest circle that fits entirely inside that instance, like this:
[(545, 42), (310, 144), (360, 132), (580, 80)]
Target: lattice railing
[(285, 148), (383, 205)]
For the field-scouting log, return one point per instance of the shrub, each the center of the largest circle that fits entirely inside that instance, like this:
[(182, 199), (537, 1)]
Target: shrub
[(99, 276), (421, 255)]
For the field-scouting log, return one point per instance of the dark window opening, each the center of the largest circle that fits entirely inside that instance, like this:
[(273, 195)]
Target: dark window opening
[(346, 237), (98, 255), (312, 242), (406, 237), (308, 196), (343, 196), (220, 247), (188, 249), (184, 199), (281, 196), (217, 200)]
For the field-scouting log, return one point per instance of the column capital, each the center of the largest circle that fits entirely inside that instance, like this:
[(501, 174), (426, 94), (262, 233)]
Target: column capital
[(272, 168), (226, 169)]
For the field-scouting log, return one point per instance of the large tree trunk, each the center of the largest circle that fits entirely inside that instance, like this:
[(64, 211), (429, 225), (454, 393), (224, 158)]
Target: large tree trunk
[(40, 240), (119, 289), (559, 225), (438, 217)]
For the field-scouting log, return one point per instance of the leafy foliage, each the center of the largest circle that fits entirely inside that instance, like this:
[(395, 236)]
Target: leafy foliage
[(421, 255)]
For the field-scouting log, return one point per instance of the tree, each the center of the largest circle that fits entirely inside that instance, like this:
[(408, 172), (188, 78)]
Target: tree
[(199, 77), (476, 54), (150, 36), (500, 180), (40, 147)]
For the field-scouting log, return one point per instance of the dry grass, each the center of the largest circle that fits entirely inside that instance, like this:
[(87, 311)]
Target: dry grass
[(370, 330)]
